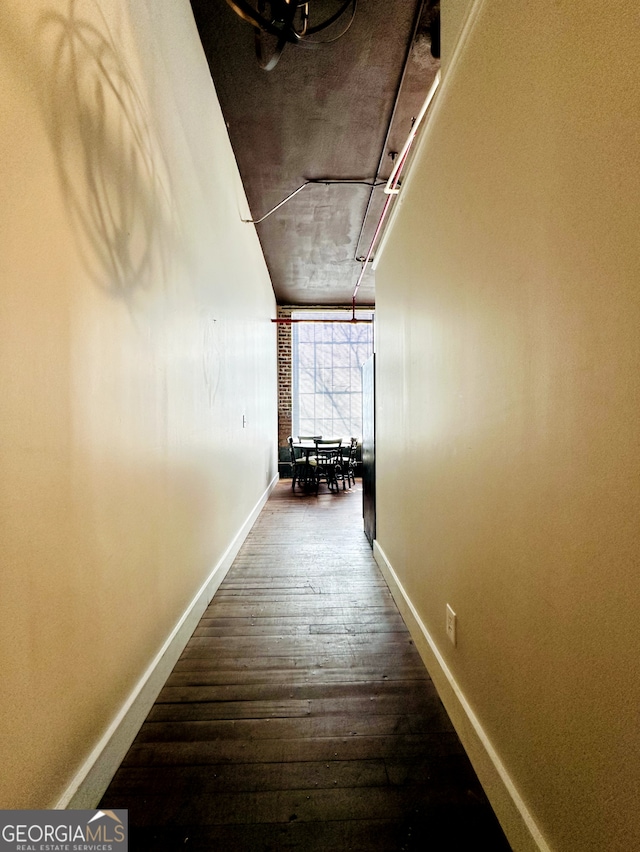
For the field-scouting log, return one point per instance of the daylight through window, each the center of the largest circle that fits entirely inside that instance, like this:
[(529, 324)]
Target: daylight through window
[(327, 361)]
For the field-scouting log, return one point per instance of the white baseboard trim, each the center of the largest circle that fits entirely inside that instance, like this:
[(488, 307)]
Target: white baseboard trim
[(92, 779), (515, 818)]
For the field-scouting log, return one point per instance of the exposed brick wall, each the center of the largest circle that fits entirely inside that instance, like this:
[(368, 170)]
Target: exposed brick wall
[(284, 378)]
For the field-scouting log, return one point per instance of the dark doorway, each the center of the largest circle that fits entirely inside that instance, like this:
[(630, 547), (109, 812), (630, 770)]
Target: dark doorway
[(368, 449)]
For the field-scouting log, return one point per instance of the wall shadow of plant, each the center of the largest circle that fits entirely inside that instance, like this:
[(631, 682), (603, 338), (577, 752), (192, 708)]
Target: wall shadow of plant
[(111, 168)]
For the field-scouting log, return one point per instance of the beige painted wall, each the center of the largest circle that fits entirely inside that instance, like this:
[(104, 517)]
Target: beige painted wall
[(134, 336), (452, 18), (508, 321)]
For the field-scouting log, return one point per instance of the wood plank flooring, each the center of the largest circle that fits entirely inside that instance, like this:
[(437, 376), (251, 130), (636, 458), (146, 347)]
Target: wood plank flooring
[(300, 715)]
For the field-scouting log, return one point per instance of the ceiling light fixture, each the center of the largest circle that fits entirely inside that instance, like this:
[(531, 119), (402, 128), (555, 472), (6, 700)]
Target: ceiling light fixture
[(280, 22)]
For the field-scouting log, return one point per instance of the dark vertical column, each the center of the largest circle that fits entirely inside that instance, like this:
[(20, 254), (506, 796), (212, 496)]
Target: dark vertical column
[(368, 449)]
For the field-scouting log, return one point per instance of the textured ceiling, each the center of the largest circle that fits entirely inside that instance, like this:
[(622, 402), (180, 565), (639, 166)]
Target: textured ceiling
[(336, 113)]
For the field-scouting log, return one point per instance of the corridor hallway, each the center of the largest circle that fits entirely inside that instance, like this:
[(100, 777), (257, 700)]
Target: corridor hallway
[(300, 715)]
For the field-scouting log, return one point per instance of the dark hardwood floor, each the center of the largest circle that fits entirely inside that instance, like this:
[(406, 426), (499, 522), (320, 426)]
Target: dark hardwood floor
[(300, 715)]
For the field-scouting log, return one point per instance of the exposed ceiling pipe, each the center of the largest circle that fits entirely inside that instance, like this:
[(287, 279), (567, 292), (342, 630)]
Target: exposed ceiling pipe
[(323, 181), (277, 207), (394, 109), (387, 204), (392, 189)]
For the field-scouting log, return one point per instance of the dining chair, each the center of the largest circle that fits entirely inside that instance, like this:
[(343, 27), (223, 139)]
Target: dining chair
[(327, 462), (299, 466), (348, 463)]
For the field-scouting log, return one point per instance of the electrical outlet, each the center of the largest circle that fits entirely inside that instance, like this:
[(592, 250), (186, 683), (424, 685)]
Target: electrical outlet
[(451, 625)]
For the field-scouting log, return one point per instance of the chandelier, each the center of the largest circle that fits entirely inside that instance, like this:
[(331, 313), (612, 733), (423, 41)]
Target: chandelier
[(281, 22)]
